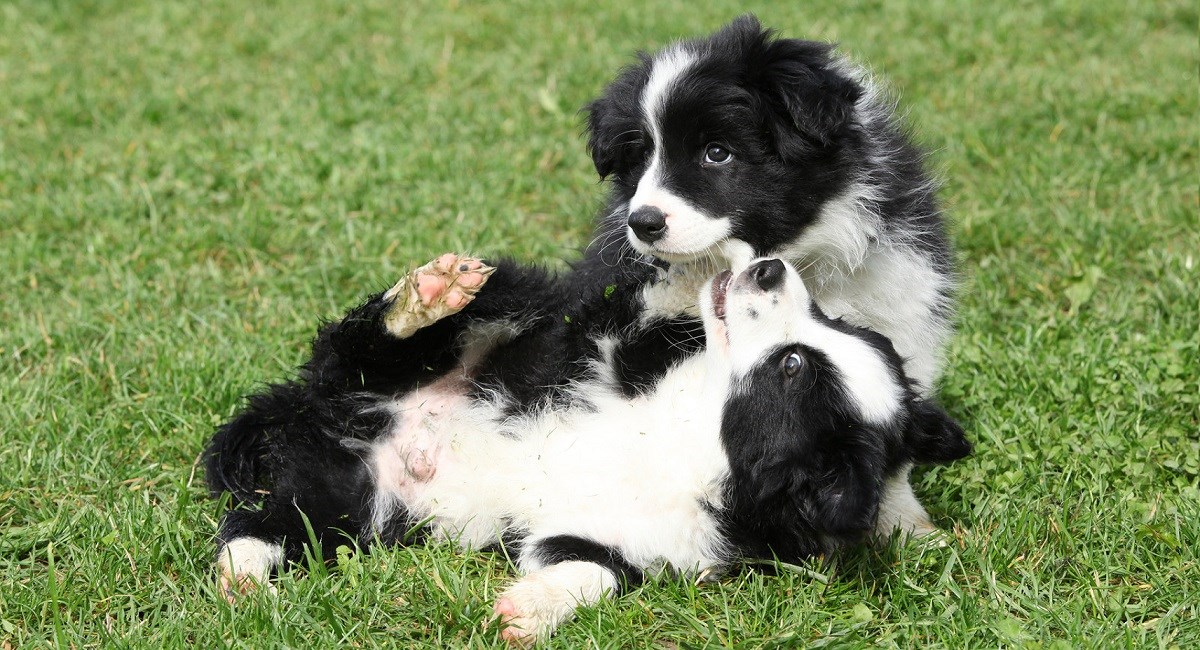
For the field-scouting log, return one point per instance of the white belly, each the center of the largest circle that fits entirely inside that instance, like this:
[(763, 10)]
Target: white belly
[(637, 474)]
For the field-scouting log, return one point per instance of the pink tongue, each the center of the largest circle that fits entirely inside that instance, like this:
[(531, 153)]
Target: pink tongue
[(720, 287)]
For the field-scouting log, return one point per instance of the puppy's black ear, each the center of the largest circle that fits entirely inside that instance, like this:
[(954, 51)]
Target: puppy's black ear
[(811, 102), (933, 436), (601, 143), (848, 493)]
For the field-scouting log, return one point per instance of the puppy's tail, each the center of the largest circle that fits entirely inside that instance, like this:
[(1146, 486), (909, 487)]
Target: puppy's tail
[(235, 460)]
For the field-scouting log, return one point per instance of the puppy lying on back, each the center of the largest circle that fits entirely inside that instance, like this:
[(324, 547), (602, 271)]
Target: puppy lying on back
[(775, 442)]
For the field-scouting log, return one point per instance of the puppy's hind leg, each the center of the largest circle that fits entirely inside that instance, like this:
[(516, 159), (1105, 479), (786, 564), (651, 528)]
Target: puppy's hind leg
[(401, 338), (534, 606), (322, 496), (568, 572), (432, 292), (245, 564)]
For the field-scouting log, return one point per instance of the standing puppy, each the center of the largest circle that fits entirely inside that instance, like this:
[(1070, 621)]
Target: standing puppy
[(742, 145)]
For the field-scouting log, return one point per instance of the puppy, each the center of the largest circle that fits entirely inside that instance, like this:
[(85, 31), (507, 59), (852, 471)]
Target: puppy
[(776, 441), (742, 144)]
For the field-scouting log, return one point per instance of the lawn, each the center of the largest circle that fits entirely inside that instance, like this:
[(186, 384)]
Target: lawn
[(186, 187)]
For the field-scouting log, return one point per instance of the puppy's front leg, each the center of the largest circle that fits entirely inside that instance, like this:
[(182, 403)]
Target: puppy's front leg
[(899, 510), (538, 603)]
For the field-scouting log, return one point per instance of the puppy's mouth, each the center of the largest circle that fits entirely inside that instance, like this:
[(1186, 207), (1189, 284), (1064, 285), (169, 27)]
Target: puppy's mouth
[(720, 288)]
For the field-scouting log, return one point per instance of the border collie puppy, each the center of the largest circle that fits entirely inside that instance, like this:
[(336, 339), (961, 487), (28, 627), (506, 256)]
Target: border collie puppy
[(741, 145), (776, 441)]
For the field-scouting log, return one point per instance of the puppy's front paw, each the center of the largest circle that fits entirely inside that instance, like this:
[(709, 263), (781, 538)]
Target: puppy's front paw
[(432, 292)]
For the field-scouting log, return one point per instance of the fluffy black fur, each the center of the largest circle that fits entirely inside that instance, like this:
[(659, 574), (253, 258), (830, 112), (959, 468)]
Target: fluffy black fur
[(787, 110), (806, 471)]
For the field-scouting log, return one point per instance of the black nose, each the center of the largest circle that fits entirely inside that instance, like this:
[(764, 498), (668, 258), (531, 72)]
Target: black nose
[(648, 223), (767, 274)]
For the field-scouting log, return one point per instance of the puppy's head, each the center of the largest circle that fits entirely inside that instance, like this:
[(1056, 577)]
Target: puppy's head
[(819, 413), (739, 136)]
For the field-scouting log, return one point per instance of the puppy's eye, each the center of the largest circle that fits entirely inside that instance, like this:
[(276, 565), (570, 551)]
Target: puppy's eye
[(792, 364), (715, 154)]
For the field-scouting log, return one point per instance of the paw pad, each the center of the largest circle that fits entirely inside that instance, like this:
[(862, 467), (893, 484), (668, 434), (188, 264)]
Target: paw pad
[(434, 291), (237, 586), (516, 629)]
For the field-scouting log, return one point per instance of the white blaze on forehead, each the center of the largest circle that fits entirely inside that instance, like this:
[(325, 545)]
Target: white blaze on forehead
[(668, 66)]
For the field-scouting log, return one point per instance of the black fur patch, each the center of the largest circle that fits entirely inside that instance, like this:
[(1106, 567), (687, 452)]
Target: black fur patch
[(648, 353), (568, 548), (790, 116), (805, 472)]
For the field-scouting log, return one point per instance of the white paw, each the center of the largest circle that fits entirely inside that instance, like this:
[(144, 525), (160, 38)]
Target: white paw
[(532, 608), (899, 511), (906, 529), (434, 291), (930, 537), (244, 565), (521, 627)]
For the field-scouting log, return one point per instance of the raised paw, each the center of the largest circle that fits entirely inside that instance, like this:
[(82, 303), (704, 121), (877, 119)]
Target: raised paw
[(432, 292)]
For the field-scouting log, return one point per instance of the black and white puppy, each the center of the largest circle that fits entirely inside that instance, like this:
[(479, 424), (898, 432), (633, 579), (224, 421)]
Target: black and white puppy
[(775, 442), (741, 145)]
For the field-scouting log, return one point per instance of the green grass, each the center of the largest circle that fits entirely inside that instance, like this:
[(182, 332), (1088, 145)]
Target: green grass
[(185, 186)]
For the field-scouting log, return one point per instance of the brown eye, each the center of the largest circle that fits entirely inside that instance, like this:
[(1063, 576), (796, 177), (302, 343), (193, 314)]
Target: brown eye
[(715, 154), (792, 364)]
